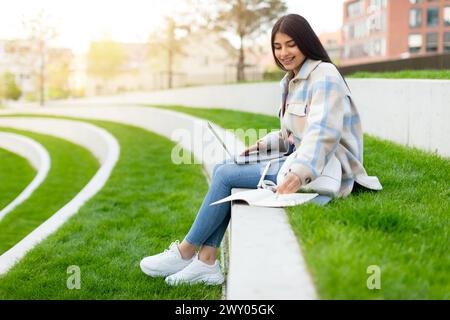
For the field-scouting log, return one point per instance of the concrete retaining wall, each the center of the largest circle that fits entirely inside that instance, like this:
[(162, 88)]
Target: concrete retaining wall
[(409, 112)]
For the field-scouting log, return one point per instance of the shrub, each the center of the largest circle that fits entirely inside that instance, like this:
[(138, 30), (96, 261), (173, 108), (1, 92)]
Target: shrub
[(9, 88)]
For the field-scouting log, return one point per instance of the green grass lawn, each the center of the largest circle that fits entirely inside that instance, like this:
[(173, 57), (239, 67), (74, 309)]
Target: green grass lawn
[(404, 229), (71, 169), (147, 203), (15, 174), (405, 74)]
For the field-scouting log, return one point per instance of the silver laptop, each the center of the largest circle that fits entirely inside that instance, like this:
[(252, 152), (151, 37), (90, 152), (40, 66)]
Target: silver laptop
[(253, 157)]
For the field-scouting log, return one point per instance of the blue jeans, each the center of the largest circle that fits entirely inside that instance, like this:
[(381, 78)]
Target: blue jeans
[(212, 221)]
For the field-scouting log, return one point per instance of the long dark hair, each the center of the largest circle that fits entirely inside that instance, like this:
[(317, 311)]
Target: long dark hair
[(299, 29)]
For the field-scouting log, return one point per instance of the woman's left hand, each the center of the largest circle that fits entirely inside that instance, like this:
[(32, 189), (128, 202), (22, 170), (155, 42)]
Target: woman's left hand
[(291, 184)]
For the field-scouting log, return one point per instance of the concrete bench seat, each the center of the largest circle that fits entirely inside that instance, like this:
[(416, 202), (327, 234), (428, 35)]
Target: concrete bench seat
[(36, 155), (265, 260)]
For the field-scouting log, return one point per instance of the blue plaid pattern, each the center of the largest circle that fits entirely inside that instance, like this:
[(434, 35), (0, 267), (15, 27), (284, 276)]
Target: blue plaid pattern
[(322, 116)]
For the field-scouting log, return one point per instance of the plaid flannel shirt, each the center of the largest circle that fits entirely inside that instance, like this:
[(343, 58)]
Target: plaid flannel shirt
[(322, 119)]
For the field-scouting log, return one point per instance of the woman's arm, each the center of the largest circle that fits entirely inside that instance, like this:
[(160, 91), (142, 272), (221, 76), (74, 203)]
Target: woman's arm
[(273, 141)]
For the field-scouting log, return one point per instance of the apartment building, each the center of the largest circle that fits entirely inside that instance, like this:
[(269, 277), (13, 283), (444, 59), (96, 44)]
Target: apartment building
[(377, 30)]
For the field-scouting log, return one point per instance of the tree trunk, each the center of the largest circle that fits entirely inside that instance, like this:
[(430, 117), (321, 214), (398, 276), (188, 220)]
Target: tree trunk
[(241, 63), (170, 46), (42, 76), (170, 73)]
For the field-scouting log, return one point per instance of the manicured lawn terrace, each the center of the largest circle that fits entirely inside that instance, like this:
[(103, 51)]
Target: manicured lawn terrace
[(404, 229), (71, 169), (405, 74), (147, 203), (15, 174)]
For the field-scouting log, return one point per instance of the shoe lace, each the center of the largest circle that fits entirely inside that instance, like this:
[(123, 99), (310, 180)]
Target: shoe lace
[(176, 242)]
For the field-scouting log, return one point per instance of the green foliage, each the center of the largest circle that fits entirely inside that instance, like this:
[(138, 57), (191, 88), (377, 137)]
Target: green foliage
[(405, 74), (9, 88), (15, 174), (57, 93), (246, 19), (58, 72), (105, 59), (31, 97), (273, 75), (78, 93)]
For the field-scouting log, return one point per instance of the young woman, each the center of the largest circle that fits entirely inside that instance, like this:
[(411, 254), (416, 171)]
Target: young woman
[(318, 120)]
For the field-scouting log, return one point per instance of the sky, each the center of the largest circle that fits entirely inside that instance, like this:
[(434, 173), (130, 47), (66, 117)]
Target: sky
[(81, 21)]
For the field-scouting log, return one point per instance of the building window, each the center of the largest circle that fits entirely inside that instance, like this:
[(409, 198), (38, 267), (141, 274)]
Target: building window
[(432, 42), (415, 18), (415, 43), (376, 5), (376, 47), (348, 31), (432, 17), (361, 30), (446, 41), (447, 16), (357, 51), (355, 9), (351, 31)]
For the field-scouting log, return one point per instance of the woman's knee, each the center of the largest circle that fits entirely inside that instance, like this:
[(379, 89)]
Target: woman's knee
[(223, 172), (217, 166)]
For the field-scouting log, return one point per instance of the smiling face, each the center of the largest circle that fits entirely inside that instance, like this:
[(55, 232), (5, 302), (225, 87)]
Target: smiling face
[(287, 52)]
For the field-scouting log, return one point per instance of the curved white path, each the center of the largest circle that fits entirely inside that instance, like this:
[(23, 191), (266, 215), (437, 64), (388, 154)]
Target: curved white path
[(97, 140), (285, 274), (36, 155)]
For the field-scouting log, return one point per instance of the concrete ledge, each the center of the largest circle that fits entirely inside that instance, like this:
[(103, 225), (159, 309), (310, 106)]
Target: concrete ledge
[(265, 260), (101, 143), (36, 155)]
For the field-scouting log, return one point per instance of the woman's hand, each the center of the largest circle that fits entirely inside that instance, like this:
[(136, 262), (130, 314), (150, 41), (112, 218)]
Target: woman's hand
[(291, 184), (250, 149)]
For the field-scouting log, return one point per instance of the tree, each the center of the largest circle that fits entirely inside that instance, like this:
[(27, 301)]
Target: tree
[(187, 17), (9, 88), (173, 46), (105, 59), (246, 19), (171, 43), (41, 34), (58, 72)]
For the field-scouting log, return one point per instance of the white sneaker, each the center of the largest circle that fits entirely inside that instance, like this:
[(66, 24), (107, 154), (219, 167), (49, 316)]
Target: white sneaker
[(197, 272), (166, 263)]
